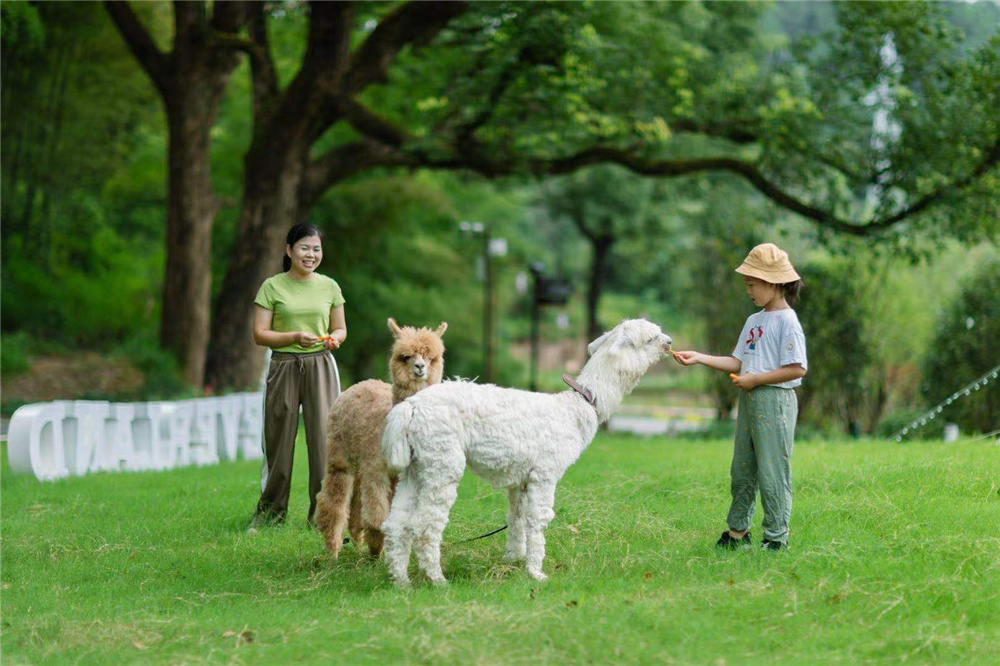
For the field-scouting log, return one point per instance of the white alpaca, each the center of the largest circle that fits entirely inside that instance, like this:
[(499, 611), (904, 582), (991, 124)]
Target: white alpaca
[(517, 440)]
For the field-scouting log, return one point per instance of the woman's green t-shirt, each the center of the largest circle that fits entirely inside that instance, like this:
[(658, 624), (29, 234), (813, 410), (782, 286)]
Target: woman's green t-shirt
[(300, 305)]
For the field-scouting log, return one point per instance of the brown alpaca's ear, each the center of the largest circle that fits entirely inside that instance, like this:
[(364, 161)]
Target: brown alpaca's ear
[(439, 331), (394, 327)]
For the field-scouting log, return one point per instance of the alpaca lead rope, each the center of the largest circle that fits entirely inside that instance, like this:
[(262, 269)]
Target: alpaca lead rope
[(932, 414), (481, 536)]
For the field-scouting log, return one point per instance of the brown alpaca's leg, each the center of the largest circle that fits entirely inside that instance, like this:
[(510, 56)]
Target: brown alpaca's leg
[(335, 495), (354, 521), (374, 539), (331, 509), (376, 492)]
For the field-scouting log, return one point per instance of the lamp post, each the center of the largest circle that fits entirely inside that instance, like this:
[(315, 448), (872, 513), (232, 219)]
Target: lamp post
[(492, 247)]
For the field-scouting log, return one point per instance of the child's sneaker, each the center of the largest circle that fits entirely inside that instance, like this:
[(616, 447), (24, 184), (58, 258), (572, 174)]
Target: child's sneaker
[(773, 545), (727, 541)]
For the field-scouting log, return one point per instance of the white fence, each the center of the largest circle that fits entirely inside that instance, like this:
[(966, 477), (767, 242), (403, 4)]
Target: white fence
[(64, 438)]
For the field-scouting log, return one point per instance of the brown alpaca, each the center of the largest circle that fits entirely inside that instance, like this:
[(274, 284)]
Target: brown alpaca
[(358, 487)]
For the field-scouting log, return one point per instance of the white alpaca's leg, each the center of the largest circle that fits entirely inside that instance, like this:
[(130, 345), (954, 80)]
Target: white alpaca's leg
[(398, 529), (539, 499), (433, 509), (515, 525)]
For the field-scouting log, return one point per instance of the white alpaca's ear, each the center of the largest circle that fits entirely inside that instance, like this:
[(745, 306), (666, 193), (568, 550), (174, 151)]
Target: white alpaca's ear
[(439, 331), (620, 343), (596, 344), (394, 327)]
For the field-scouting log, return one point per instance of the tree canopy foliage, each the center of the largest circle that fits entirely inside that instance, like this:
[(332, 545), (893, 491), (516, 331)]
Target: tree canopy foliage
[(383, 122)]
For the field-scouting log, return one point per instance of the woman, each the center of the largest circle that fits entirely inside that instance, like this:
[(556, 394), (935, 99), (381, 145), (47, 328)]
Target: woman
[(299, 314)]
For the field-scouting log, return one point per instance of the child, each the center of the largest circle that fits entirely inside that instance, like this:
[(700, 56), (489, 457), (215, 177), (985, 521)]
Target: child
[(770, 361)]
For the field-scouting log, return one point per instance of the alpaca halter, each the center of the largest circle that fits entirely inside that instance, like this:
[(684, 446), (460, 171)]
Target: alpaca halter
[(587, 395)]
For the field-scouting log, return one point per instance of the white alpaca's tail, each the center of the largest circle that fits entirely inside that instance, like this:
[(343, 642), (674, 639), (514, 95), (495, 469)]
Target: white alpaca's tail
[(395, 443)]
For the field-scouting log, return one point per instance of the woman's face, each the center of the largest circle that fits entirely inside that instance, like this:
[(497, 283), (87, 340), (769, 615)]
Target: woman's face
[(305, 254)]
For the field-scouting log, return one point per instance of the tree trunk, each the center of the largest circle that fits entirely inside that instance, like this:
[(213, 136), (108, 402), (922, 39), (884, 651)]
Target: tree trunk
[(601, 246), (270, 207), (191, 208), (191, 79)]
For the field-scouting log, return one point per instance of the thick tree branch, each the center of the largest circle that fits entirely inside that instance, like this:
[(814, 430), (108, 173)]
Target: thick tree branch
[(466, 132), (415, 23), (374, 126), (156, 63), (332, 167), (328, 51), (341, 162), (735, 132), (302, 112), (228, 16), (263, 71), (264, 78), (760, 182), (190, 31)]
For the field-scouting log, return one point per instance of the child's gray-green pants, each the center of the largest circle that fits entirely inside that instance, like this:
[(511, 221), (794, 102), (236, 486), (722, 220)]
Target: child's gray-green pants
[(762, 453)]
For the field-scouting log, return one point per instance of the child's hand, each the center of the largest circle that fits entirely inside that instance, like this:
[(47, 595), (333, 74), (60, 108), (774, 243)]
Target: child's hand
[(745, 382), (685, 357)]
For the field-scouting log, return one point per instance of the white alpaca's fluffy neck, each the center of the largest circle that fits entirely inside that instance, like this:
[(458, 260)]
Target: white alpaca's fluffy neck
[(608, 383)]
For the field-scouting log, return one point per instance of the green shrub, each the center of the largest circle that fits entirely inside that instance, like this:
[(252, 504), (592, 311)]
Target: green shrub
[(832, 311), (161, 376), (964, 347), (14, 350)]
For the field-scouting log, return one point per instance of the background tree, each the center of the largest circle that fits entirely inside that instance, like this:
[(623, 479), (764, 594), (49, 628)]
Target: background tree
[(666, 89), (282, 178), (191, 79), (605, 205), (557, 87), (75, 111), (964, 348), (833, 314)]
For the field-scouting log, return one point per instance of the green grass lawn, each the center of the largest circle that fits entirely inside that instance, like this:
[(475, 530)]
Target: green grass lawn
[(895, 557)]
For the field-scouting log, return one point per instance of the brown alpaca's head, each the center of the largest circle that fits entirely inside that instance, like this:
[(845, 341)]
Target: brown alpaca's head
[(417, 359)]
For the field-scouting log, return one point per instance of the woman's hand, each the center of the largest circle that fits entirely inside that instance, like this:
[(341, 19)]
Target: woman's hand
[(686, 357), (305, 339), (331, 343)]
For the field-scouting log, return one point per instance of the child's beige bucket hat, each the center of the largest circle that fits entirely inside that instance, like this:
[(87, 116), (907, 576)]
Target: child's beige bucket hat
[(769, 263)]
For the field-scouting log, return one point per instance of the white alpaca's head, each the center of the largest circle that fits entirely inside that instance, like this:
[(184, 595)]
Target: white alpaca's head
[(417, 359), (619, 359)]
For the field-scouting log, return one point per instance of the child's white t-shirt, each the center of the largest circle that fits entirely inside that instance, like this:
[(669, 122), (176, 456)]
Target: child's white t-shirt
[(771, 340)]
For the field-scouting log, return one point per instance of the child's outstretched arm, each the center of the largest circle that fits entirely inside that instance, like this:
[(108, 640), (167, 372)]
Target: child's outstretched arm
[(723, 363)]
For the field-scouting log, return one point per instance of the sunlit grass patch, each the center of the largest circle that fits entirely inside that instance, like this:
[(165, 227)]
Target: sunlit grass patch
[(895, 555)]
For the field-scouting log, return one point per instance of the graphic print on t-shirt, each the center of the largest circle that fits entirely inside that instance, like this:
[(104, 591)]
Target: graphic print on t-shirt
[(754, 338)]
